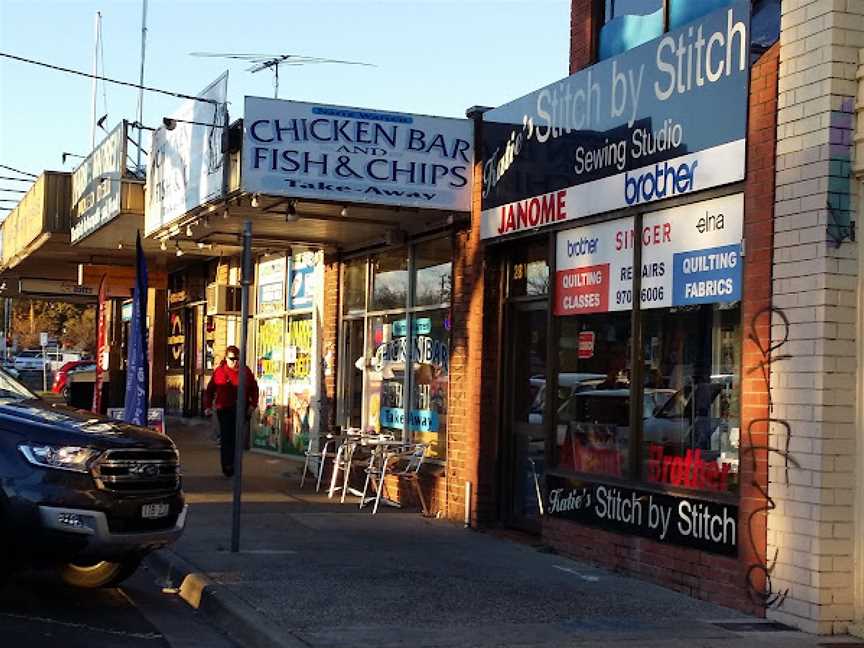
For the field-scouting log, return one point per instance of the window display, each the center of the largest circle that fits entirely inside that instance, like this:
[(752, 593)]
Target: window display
[(268, 373), (692, 370), (689, 290), (593, 400), (298, 384), (380, 348)]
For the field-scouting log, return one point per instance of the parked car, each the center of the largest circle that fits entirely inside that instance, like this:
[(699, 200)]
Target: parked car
[(61, 376), (29, 360), (86, 494)]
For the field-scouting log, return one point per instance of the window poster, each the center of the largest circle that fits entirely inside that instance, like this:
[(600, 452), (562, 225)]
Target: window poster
[(690, 255), (271, 285), (176, 339), (302, 280), (268, 372), (298, 385)]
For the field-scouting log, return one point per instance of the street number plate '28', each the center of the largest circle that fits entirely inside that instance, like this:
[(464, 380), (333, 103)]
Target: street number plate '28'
[(152, 511)]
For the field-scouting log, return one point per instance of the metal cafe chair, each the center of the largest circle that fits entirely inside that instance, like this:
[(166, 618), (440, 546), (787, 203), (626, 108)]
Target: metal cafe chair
[(342, 461), (317, 459), (411, 458)]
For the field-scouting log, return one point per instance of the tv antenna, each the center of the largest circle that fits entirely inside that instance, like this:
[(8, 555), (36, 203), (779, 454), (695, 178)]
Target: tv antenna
[(273, 61)]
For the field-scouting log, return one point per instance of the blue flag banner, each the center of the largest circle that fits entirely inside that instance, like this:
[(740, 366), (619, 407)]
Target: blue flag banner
[(137, 368)]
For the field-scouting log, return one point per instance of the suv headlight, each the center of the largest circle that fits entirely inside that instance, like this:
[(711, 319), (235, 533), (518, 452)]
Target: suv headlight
[(74, 458)]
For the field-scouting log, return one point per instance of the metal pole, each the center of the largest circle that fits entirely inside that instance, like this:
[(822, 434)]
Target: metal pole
[(240, 425), (141, 82), (44, 371)]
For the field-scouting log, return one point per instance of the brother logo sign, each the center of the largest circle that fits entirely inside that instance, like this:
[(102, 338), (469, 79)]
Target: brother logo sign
[(663, 119)]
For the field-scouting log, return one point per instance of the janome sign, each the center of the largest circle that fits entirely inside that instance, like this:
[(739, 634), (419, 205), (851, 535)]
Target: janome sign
[(690, 255), (346, 154), (664, 119)]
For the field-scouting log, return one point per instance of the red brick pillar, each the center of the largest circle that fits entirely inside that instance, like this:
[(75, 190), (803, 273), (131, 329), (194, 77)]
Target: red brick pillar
[(756, 322), (584, 15), (329, 341)]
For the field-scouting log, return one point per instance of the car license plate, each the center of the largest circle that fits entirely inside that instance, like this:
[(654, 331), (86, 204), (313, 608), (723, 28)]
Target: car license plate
[(153, 511)]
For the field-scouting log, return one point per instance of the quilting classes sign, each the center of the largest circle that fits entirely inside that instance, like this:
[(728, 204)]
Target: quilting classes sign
[(668, 519), (306, 150), (664, 119), (690, 255)]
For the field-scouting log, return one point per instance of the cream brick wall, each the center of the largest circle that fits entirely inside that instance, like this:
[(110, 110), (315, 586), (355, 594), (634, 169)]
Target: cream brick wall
[(812, 529)]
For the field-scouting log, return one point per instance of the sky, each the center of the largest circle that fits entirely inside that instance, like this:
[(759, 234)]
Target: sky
[(433, 57)]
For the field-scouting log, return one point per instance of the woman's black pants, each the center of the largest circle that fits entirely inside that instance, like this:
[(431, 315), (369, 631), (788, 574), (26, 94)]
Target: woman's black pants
[(227, 437)]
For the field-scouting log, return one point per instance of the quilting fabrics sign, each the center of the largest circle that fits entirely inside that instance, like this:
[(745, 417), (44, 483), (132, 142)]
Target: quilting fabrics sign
[(690, 255), (186, 165), (663, 119), (306, 150)]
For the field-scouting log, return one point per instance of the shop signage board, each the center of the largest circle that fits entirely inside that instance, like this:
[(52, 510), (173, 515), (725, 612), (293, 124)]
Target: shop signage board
[(690, 255), (344, 154), (185, 167), (57, 287), (669, 519), (96, 184), (661, 120), (155, 417)]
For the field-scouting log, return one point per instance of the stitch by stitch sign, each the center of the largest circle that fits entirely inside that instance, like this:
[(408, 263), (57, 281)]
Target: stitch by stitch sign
[(685, 521)]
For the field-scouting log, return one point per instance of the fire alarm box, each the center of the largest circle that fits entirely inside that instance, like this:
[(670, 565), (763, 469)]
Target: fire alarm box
[(223, 299)]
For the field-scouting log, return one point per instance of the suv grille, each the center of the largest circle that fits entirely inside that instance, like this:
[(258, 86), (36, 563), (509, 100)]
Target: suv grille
[(137, 471)]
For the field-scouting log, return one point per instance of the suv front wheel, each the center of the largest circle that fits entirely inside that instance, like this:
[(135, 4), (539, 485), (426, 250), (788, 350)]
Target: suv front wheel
[(99, 574)]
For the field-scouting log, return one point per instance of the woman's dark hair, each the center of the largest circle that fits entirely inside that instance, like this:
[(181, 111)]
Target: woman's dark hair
[(232, 349)]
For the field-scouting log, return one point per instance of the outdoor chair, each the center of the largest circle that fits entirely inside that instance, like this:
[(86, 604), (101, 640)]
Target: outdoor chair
[(318, 458), (342, 459), (404, 463)]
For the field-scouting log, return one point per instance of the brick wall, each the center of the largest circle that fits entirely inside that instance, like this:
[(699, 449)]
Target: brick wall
[(814, 285), (582, 34), (732, 582), (329, 337)]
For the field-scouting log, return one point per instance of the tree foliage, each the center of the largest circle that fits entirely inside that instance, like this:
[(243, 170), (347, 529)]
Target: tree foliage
[(71, 326)]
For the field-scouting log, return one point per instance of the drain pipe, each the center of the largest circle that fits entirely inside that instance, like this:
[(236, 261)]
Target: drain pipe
[(467, 504)]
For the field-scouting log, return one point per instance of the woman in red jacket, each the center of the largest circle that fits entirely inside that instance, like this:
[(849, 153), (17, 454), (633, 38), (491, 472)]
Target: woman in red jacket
[(223, 386)]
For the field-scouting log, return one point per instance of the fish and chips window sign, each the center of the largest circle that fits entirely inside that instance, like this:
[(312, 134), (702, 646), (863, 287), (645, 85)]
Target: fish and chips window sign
[(668, 519), (344, 154), (690, 255), (661, 120)]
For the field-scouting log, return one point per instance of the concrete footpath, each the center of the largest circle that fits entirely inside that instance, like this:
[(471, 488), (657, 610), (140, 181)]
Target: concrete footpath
[(312, 572)]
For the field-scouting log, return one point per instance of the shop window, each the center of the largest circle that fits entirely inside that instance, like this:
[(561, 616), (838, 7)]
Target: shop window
[(628, 23), (298, 384), (385, 374), (690, 438), (355, 286), (389, 281), (682, 12), (414, 337), (269, 361), (592, 405), (528, 275), (433, 272), (430, 345)]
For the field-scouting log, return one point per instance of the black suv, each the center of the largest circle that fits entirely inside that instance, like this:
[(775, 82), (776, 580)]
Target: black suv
[(77, 490)]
